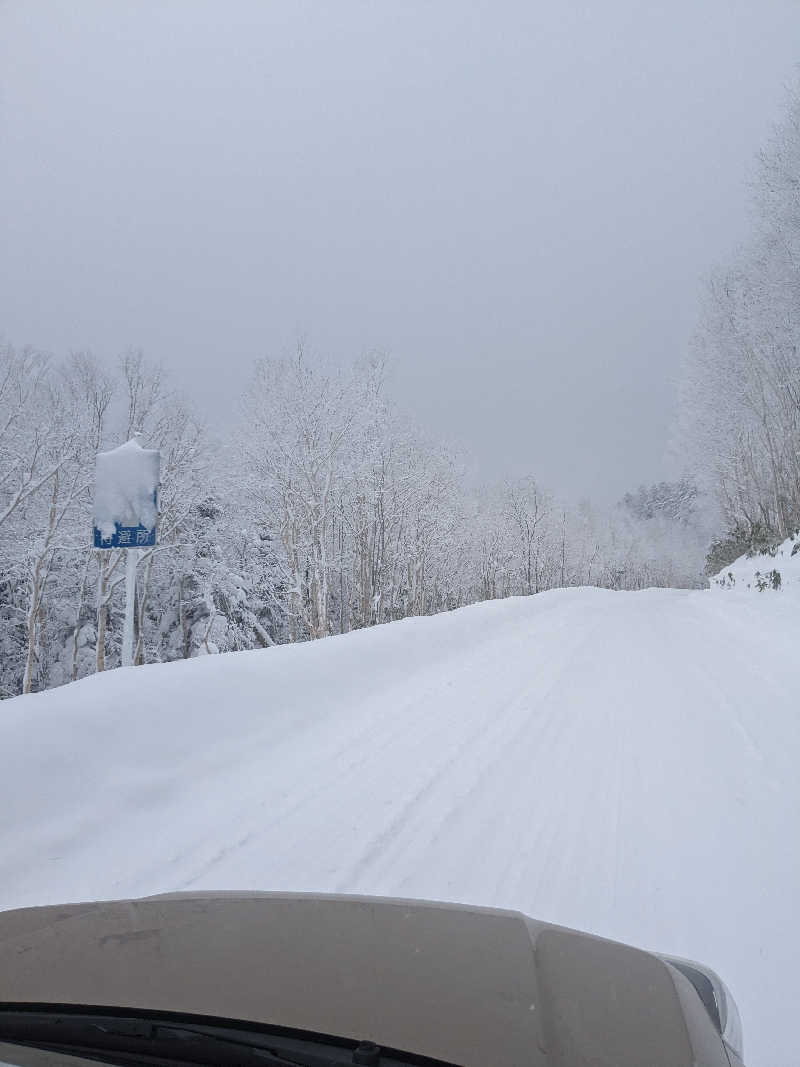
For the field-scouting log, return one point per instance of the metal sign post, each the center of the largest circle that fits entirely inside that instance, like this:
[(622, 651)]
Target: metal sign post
[(125, 514), (131, 560)]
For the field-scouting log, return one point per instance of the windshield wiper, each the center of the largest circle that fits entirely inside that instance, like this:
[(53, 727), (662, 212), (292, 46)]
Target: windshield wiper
[(128, 1039), (267, 1053)]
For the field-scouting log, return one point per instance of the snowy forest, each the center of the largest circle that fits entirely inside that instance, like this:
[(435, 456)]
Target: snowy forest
[(328, 510)]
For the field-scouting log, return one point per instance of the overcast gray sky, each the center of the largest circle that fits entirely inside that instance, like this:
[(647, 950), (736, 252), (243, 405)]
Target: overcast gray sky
[(516, 200)]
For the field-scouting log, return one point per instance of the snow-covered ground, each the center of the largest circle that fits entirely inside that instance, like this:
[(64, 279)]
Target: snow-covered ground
[(625, 763)]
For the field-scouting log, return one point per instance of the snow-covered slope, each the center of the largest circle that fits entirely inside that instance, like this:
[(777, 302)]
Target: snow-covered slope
[(777, 571), (626, 763)]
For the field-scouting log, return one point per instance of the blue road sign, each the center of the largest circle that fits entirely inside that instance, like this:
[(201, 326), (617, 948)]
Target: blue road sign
[(126, 537)]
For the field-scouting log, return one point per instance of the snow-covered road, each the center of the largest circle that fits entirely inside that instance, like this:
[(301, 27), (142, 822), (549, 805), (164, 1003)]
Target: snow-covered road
[(625, 763)]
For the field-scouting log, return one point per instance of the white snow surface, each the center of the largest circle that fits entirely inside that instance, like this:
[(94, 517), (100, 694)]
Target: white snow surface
[(751, 574), (125, 480), (623, 763)]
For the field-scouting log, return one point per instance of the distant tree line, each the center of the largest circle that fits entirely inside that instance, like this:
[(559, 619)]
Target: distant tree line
[(327, 512)]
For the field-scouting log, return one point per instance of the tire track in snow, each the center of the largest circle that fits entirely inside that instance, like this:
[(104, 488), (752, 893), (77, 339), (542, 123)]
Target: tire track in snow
[(417, 717), (441, 800)]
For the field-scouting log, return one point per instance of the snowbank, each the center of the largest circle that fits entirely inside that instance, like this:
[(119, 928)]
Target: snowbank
[(624, 763), (777, 571)]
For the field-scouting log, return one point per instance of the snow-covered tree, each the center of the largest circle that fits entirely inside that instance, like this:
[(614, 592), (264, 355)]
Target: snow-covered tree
[(298, 419), (739, 423)]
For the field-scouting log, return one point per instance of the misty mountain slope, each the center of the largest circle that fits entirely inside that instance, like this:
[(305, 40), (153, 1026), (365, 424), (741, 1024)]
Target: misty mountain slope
[(625, 763)]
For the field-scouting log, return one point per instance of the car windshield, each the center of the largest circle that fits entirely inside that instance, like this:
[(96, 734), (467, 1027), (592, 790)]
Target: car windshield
[(181, 1039), (21, 1056)]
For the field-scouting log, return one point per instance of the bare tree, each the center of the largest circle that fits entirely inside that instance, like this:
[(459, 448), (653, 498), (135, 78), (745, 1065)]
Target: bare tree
[(739, 421), (529, 511), (298, 420)]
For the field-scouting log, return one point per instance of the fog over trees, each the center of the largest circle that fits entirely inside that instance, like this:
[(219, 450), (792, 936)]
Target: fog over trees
[(328, 509)]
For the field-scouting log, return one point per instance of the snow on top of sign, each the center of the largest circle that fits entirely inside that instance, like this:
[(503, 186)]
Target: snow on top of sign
[(126, 479)]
